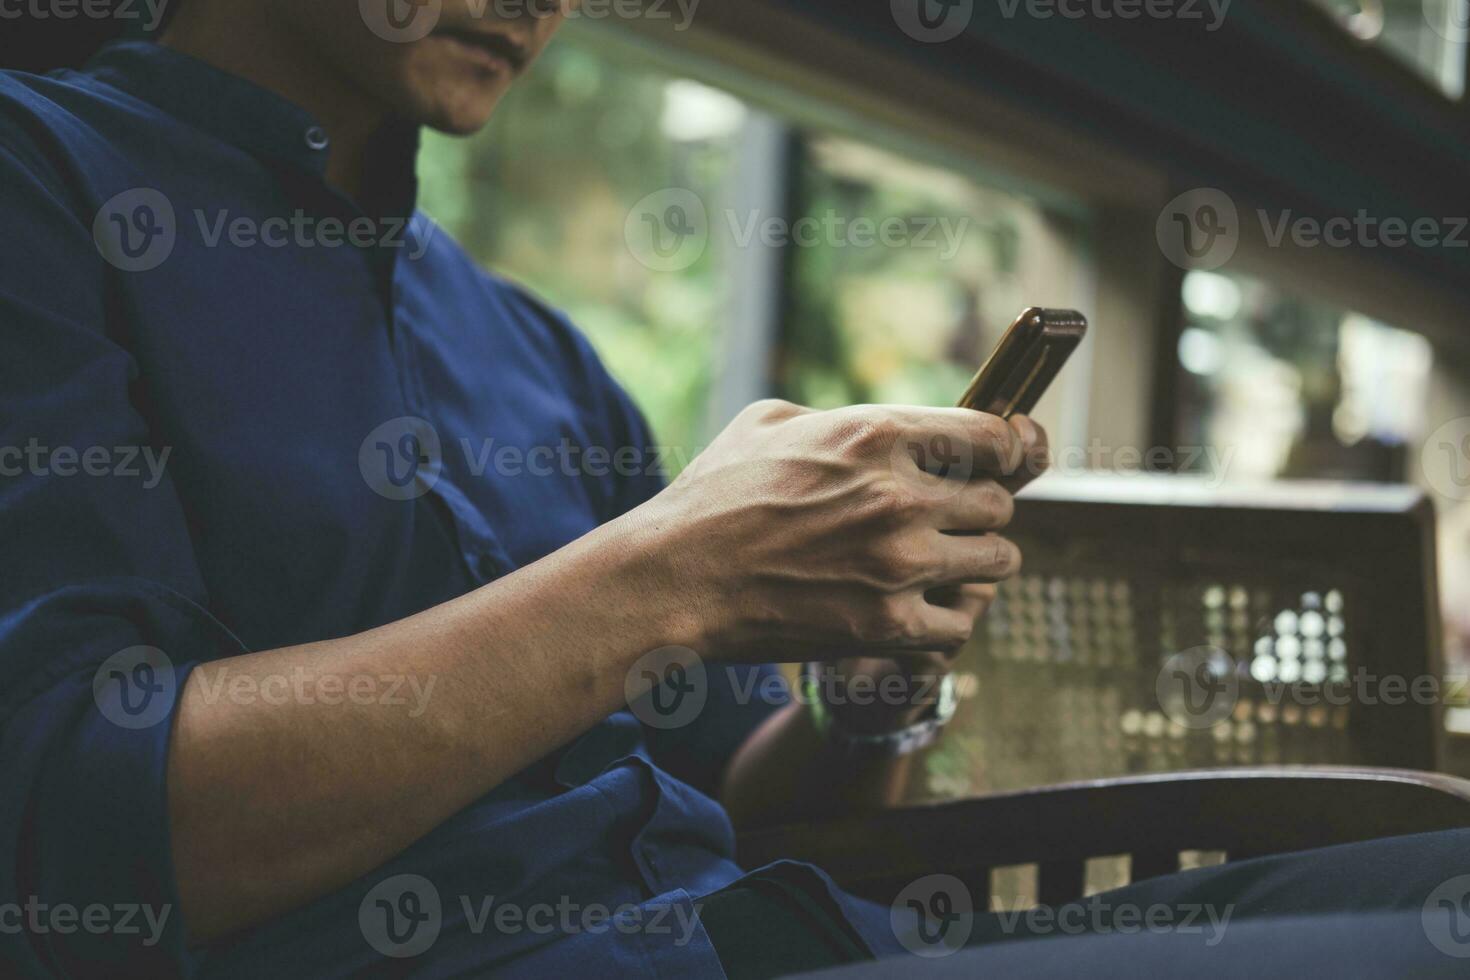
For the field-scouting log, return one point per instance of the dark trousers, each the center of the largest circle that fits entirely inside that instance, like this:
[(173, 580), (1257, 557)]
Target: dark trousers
[(1396, 907)]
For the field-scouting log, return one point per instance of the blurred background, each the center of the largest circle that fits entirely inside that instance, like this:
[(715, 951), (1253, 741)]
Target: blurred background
[(1047, 167)]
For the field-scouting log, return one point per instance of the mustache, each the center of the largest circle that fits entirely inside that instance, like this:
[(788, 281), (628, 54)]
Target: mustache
[(514, 52)]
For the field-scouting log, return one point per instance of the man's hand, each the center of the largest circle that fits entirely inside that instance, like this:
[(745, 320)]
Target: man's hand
[(787, 770), (805, 535), (916, 678)]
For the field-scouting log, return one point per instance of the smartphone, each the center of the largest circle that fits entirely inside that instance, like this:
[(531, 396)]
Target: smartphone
[(1023, 364)]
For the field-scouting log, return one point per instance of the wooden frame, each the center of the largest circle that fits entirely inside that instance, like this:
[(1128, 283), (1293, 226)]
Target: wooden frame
[(1242, 812)]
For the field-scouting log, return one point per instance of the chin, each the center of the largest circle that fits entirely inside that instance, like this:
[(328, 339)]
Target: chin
[(457, 112), (446, 96)]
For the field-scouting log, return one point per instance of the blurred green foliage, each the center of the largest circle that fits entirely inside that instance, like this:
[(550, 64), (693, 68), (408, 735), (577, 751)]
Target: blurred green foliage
[(903, 324), (542, 195)]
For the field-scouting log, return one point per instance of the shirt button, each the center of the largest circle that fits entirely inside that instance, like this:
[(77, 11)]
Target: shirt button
[(316, 138)]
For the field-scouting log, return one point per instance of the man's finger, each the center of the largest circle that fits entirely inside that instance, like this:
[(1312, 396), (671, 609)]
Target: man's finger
[(973, 599), (938, 628), (958, 442), (987, 558), (1035, 453), (981, 505)]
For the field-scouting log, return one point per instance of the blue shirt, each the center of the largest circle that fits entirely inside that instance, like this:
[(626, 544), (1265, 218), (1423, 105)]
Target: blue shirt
[(230, 422)]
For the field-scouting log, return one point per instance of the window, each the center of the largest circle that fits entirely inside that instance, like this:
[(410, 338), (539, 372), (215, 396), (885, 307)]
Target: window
[(910, 323), (1287, 387), (823, 269)]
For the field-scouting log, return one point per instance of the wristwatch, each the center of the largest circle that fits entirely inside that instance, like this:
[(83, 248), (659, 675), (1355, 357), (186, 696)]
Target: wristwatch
[(886, 745)]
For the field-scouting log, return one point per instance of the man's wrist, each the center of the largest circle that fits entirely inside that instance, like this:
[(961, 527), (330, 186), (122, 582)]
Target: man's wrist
[(655, 588), (890, 711)]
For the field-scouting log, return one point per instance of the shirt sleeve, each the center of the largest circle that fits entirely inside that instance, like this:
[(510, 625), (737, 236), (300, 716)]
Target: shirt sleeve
[(740, 697), (102, 608)]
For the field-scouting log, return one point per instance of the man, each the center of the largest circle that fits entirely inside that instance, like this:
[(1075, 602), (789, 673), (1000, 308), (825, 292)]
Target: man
[(291, 688)]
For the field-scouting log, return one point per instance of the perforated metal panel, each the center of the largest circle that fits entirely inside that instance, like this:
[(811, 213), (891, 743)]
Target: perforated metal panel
[(1069, 675)]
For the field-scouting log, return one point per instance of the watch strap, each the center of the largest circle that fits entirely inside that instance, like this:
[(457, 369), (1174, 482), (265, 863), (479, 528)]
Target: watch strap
[(881, 745)]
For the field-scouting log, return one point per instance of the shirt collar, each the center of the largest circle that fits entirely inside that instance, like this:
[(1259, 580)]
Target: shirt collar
[(256, 120)]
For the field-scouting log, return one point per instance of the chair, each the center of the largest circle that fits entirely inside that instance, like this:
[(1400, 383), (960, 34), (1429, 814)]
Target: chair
[(1320, 599), (1327, 587), (1152, 819)]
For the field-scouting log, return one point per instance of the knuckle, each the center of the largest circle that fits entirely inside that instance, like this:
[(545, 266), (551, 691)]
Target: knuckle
[(891, 623), (887, 504), (1039, 438), (1000, 505), (992, 430), (891, 503), (996, 438), (977, 599), (981, 594), (961, 636), (951, 637), (896, 565), (1036, 449), (1005, 558), (866, 434), (1038, 460), (771, 409)]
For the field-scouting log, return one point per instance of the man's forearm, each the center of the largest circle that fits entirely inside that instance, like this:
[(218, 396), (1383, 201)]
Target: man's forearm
[(336, 786), (787, 770)]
